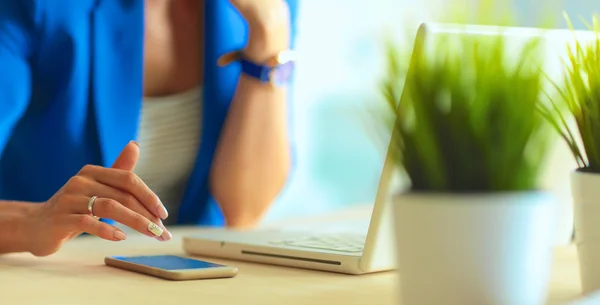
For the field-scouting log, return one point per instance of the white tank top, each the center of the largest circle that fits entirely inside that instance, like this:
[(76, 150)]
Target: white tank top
[(169, 137)]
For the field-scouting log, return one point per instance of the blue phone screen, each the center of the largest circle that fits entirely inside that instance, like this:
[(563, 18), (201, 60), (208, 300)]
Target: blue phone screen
[(168, 262)]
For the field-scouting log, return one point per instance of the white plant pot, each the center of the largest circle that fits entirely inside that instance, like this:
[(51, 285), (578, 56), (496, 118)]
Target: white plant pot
[(493, 249), (585, 188)]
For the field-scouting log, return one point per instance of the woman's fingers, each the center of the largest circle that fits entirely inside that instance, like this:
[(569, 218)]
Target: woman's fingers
[(112, 209), (90, 225), (127, 200), (105, 207), (121, 195), (128, 182), (128, 158)]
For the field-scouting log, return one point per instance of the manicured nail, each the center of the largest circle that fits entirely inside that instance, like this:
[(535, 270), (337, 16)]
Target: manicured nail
[(119, 235), (165, 236), (155, 229), (162, 211)]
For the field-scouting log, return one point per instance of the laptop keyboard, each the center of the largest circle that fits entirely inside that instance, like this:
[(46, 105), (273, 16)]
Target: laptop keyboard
[(350, 243)]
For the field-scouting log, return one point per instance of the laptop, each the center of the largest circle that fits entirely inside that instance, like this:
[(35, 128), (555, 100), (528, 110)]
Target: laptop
[(351, 251), (341, 246)]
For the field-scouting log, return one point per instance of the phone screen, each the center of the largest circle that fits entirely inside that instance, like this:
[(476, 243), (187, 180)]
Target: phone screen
[(168, 262)]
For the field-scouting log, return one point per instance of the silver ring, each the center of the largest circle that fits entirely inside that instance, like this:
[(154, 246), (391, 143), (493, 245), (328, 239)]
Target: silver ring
[(91, 205)]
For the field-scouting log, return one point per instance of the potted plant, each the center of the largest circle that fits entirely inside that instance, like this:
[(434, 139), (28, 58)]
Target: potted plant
[(473, 226), (575, 115)]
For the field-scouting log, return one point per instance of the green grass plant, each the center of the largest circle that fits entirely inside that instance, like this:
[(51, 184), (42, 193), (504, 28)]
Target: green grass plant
[(578, 101)]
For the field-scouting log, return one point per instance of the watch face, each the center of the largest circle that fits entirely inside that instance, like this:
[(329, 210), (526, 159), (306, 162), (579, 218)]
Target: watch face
[(281, 74)]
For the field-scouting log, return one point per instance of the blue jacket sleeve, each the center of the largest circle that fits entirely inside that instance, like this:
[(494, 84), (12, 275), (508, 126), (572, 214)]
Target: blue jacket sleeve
[(15, 74)]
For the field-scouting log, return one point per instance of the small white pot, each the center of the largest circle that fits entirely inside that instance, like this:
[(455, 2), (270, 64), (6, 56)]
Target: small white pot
[(585, 188), (485, 249)]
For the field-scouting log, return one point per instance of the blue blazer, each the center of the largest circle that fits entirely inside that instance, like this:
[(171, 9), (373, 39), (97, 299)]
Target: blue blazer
[(71, 92)]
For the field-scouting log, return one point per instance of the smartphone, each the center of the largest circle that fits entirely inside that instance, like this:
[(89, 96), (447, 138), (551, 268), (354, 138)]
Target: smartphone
[(171, 267)]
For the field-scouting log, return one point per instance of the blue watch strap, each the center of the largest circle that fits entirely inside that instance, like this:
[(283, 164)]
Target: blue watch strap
[(276, 71), (260, 72), (277, 75)]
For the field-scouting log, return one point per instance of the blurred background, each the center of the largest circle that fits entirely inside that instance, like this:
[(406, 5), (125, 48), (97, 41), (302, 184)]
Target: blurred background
[(341, 62)]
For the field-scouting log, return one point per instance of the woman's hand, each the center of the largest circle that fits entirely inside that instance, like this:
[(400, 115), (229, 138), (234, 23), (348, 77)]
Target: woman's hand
[(269, 23), (122, 197)]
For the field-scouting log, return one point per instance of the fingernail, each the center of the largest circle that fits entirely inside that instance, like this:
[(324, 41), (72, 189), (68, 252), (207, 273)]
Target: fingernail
[(162, 211), (119, 235), (167, 235), (155, 229), (135, 142)]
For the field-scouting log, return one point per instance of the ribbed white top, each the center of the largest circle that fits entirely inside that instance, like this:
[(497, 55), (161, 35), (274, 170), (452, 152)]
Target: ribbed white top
[(169, 137)]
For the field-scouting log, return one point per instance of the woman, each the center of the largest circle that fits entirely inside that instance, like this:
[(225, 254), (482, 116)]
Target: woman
[(81, 79)]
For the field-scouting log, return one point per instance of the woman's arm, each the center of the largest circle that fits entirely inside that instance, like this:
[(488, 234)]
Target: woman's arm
[(42, 228), (252, 160), (13, 227)]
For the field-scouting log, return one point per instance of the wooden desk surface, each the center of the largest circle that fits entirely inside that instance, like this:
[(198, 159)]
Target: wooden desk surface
[(77, 275)]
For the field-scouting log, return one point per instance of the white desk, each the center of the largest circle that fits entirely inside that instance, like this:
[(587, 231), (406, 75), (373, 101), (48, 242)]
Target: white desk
[(77, 276)]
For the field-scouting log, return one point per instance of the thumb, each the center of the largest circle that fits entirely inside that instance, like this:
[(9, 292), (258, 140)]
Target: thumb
[(128, 157)]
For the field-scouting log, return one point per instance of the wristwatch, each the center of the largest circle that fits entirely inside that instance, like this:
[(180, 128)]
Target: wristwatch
[(276, 71)]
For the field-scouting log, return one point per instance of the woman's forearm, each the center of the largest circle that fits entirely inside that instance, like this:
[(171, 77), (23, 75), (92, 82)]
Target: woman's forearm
[(252, 160), (13, 226), (253, 157)]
